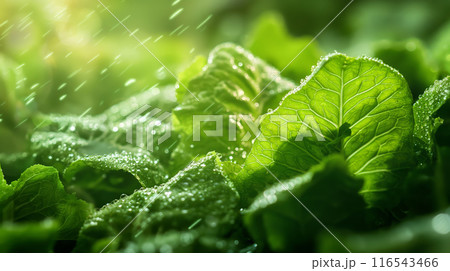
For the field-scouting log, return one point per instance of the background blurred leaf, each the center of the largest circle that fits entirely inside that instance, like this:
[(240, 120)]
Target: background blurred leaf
[(270, 41), (411, 59), (28, 237), (441, 49), (424, 234)]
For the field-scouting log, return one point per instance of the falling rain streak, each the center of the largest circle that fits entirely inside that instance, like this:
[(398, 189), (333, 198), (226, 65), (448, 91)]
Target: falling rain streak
[(176, 13), (130, 82), (204, 22)]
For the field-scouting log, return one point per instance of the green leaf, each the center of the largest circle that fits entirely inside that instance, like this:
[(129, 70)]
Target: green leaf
[(102, 178), (425, 234), (28, 237), (65, 150), (36, 194), (230, 84), (39, 194), (271, 41), (278, 221), (411, 59), (138, 163), (107, 132), (59, 149), (163, 143), (426, 120), (99, 164), (362, 95), (199, 194)]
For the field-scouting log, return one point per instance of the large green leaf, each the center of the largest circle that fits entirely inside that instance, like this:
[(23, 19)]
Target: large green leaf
[(343, 94), (229, 85), (39, 194), (199, 196), (279, 220)]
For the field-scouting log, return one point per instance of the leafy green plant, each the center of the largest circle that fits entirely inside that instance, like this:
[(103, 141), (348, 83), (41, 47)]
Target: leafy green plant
[(39, 194), (369, 99), (325, 148), (231, 83), (199, 197)]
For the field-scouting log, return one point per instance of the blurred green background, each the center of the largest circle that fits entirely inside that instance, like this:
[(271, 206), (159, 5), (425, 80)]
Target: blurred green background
[(73, 57)]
